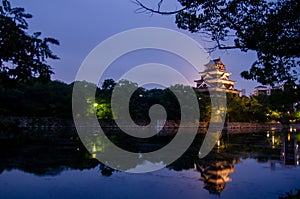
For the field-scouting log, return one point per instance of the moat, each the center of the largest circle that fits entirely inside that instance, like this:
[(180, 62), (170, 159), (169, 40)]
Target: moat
[(249, 165)]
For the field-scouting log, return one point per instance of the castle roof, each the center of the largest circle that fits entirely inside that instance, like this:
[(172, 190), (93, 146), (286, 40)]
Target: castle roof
[(215, 64)]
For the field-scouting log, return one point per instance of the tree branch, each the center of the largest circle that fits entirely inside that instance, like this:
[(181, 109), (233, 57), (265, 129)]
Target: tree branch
[(144, 8), (159, 4)]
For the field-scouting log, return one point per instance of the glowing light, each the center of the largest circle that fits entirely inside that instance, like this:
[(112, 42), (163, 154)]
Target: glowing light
[(291, 129), (94, 148), (273, 140), (218, 143), (268, 135), (289, 137), (94, 155), (96, 104)]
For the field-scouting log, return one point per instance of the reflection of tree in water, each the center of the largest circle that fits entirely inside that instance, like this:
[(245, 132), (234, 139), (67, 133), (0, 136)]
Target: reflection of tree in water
[(44, 157), (105, 170), (52, 153), (47, 157)]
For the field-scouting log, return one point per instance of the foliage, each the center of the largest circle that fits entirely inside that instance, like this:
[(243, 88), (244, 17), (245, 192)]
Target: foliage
[(245, 109), (283, 105), (83, 99), (37, 99), (54, 99), (296, 115), (239, 109), (291, 195), (103, 111), (23, 56), (204, 107), (270, 28)]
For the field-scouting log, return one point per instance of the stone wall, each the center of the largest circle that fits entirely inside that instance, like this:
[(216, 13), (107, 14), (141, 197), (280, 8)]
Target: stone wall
[(171, 126), (240, 126), (37, 122)]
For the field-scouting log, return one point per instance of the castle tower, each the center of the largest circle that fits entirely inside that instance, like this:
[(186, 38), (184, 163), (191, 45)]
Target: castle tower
[(215, 74)]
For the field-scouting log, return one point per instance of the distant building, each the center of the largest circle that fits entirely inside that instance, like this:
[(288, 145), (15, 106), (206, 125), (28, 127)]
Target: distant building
[(268, 89), (215, 75), (262, 89)]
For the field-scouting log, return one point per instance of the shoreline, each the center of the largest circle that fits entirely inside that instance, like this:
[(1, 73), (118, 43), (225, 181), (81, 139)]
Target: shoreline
[(170, 125)]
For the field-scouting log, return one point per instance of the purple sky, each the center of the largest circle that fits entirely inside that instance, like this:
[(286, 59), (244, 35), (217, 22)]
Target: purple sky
[(82, 25)]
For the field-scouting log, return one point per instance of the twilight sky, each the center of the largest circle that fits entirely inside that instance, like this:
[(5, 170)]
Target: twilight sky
[(82, 25)]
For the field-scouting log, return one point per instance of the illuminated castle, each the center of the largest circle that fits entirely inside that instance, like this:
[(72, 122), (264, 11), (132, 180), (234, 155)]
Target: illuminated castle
[(216, 76)]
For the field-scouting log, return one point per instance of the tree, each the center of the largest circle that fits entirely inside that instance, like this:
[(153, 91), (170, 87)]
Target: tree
[(108, 85), (52, 99), (271, 28), (23, 56)]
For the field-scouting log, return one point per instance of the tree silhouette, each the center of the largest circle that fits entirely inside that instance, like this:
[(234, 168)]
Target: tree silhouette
[(23, 56), (271, 28)]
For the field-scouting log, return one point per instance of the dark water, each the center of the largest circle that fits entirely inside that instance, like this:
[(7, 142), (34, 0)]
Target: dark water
[(255, 165)]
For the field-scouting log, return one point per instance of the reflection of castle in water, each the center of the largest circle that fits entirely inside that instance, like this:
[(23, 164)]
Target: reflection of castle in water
[(216, 175)]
